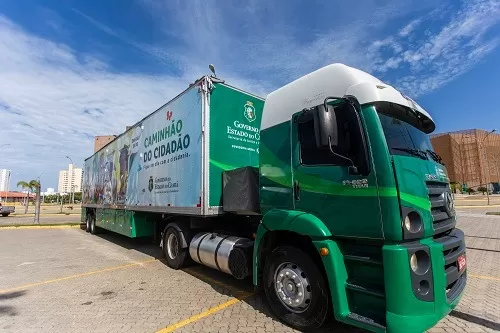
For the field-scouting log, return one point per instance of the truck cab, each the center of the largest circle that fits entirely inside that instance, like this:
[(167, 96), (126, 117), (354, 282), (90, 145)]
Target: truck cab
[(358, 218)]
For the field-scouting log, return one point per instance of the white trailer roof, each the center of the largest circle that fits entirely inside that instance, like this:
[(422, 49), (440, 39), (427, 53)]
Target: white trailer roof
[(333, 80)]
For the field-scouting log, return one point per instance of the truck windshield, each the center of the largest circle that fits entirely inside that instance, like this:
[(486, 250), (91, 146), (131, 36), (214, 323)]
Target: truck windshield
[(403, 135)]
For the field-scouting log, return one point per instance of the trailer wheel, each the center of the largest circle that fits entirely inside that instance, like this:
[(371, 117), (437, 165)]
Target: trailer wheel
[(296, 289), (93, 228), (87, 222), (175, 255)]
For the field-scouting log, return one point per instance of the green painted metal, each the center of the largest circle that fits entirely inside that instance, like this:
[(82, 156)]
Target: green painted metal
[(128, 223), (261, 231), (328, 205), (235, 119), (296, 221), (405, 312), (337, 277)]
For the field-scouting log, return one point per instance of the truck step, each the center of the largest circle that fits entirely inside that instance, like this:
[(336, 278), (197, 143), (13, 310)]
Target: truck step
[(365, 320), (354, 286)]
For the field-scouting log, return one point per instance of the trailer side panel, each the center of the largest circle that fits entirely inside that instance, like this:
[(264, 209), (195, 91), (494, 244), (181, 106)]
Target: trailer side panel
[(234, 135), (155, 165)]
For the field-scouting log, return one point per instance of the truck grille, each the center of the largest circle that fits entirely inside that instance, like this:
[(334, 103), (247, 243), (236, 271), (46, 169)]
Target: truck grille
[(453, 247), (443, 217)]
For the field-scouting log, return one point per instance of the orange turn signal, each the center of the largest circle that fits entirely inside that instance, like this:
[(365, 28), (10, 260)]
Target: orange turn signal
[(323, 251)]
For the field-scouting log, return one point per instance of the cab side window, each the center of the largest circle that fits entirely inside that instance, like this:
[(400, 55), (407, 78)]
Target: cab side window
[(348, 142)]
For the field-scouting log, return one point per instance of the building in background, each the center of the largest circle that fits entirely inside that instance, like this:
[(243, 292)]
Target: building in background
[(471, 157), (101, 141), (13, 197), (71, 178), (4, 179)]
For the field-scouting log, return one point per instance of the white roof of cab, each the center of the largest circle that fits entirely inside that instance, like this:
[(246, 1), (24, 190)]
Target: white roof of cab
[(333, 80)]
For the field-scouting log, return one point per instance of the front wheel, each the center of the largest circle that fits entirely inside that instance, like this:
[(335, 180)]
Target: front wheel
[(296, 289)]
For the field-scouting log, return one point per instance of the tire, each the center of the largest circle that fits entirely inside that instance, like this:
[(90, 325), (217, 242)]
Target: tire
[(307, 278), (87, 222), (5, 214), (175, 255), (94, 230)]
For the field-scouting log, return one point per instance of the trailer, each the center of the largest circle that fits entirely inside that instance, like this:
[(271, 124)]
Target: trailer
[(328, 194)]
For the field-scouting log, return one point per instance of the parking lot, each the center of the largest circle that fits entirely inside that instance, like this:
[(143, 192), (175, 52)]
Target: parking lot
[(62, 279)]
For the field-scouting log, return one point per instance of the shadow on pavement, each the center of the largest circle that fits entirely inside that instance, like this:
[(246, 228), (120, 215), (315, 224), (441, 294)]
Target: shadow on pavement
[(221, 282), (143, 244), (6, 310), (229, 286), (476, 320)]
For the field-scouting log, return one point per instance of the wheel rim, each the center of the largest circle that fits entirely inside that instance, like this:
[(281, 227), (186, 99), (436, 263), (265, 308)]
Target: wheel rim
[(292, 287), (172, 246)]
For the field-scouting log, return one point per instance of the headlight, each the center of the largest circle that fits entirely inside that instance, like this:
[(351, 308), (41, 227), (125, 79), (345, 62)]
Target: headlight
[(413, 262), (413, 222), (420, 262)]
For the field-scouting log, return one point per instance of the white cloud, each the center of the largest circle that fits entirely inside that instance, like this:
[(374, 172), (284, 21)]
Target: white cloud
[(57, 100), (454, 49), (410, 27), (45, 91)]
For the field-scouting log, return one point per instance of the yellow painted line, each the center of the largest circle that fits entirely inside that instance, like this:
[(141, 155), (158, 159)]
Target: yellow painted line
[(486, 277), (232, 301), (182, 323), (109, 269), (38, 226)]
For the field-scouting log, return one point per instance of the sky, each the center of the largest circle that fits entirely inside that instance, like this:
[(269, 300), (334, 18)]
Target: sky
[(70, 70)]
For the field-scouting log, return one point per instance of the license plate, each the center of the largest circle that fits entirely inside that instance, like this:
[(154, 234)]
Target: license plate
[(461, 262)]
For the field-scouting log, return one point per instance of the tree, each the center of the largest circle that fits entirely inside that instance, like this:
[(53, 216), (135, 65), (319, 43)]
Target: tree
[(31, 186)]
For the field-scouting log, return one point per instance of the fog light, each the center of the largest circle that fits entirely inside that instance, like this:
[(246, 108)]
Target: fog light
[(420, 262), (413, 222)]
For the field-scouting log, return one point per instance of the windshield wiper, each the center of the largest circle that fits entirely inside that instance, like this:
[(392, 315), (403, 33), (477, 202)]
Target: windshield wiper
[(435, 156), (415, 152)]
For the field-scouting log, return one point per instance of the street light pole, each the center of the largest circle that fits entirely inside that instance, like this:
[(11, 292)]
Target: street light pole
[(37, 204), (487, 166), (8, 178), (71, 184)]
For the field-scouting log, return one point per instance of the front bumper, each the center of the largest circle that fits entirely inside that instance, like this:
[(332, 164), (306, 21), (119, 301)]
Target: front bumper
[(406, 310)]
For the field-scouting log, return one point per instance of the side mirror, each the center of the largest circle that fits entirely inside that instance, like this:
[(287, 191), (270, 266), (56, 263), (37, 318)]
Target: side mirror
[(325, 126)]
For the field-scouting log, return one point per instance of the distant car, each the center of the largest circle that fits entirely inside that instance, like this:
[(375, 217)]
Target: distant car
[(6, 210)]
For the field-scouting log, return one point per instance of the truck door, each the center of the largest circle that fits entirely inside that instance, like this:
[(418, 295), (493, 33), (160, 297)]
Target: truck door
[(323, 185)]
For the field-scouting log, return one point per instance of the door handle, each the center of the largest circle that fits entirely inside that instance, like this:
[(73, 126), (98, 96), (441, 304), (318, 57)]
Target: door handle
[(296, 190)]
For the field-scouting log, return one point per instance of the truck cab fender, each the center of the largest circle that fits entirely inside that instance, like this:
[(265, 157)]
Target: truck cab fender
[(296, 222)]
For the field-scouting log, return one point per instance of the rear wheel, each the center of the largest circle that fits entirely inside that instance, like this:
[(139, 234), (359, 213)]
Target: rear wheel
[(87, 222), (93, 228), (5, 214), (175, 255), (295, 288)]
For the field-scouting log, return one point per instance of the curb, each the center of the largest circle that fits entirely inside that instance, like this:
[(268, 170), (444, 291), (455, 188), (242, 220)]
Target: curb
[(478, 206), (42, 215), (41, 226)]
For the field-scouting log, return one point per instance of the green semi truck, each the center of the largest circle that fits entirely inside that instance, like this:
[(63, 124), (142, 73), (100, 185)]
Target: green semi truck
[(328, 194)]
